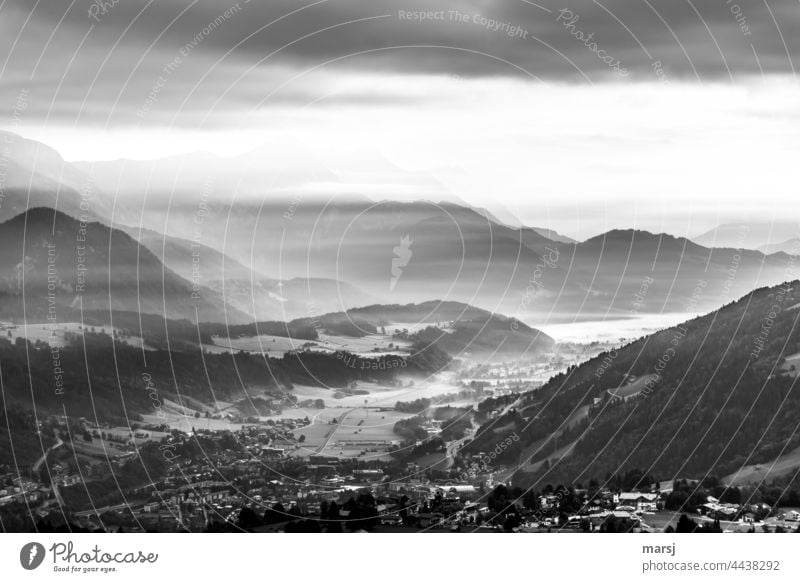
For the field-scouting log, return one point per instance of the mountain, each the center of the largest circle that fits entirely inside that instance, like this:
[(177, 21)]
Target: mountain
[(356, 240), (707, 397), (285, 300), (395, 252), (245, 289), (632, 271), (417, 251), (52, 266), (191, 259), (749, 235), (487, 339), (553, 235), (37, 176), (193, 176), (790, 247)]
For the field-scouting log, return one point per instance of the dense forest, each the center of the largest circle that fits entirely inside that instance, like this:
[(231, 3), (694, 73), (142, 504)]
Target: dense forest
[(100, 377)]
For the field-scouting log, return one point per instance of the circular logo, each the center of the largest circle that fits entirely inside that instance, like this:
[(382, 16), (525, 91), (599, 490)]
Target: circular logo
[(31, 555)]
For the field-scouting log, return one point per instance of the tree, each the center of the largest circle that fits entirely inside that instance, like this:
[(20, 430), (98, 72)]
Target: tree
[(685, 525), (248, 518), (302, 438)]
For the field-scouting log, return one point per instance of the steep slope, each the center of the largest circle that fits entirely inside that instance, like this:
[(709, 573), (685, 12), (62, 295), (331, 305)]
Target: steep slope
[(52, 265), (707, 397), (190, 258), (247, 290), (612, 268)]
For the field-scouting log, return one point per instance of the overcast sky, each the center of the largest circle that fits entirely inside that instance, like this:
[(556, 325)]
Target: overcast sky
[(675, 115)]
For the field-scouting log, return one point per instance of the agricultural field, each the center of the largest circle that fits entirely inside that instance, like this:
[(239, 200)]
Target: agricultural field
[(633, 388), (792, 365), (271, 345), (95, 450), (764, 472), (415, 327), (382, 395), (356, 431), (45, 332), (374, 345)]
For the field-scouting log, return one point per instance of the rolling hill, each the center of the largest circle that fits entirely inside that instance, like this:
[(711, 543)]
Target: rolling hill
[(460, 330)]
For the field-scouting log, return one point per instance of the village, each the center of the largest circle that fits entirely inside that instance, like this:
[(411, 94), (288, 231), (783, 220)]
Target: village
[(251, 479)]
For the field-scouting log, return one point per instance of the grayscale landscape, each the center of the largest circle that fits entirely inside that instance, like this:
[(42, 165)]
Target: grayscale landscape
[(369, 266)]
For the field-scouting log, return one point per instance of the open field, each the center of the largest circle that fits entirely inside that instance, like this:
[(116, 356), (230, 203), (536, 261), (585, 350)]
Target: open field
[(272, 345), (416, 326), (374, 345), (54, 335), (792, 364), (183, 418), (633, 388), (95, 450), (765, 472), (355, 430), (379, 395)]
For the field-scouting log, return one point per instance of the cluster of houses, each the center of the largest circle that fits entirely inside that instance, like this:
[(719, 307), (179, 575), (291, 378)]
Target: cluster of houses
[(14, 489)]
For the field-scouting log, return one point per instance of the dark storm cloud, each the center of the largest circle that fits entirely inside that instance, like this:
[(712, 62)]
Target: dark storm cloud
[(85, 58)]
